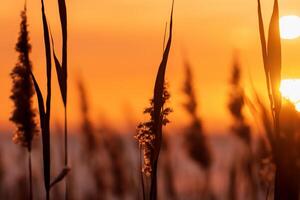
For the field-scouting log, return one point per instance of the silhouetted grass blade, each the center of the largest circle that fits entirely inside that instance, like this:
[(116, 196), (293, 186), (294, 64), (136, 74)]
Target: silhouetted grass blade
[(160, 80), (62, 69), (274, 56), (60, 176), (46, 131), (59, 71)]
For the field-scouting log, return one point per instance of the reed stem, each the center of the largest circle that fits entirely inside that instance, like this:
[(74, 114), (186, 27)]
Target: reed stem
[(30, 175)]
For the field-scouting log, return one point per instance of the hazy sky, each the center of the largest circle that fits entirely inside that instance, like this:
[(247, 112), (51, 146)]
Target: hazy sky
[(116, 46)]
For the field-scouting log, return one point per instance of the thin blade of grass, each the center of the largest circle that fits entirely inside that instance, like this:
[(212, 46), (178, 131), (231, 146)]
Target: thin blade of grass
[(46, 132), (266, 119), (160, 78), (264, 51), (59, 70), (164, 41), (274, 56), (262, 36), (40, 101), (60, 176), (63, 74)]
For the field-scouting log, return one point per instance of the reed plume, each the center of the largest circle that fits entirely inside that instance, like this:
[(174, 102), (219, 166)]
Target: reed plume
[(90, 143), (22, 93), (149, 134), (90, 140), (240, 128), (195, 139), (236, 104)]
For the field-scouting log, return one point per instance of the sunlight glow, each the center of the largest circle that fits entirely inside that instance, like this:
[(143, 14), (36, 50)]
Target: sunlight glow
[(297, 106), (289, 27), (290, 89)]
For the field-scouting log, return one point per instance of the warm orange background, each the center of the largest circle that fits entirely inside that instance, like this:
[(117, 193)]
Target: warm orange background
[(117, 45)]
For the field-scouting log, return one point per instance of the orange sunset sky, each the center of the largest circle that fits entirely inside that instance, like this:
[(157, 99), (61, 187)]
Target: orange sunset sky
[(116, 46)]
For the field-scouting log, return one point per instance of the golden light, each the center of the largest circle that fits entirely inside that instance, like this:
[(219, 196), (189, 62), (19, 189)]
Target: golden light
[(290, 89), (289, 27)]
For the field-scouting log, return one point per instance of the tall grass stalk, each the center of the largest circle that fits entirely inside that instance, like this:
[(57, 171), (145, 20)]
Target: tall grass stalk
[(150, 133), (271, 52), (285, 186), (44, 112)]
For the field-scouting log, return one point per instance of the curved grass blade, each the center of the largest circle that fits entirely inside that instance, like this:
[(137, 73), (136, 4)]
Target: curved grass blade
[(40, 102), (59, 70), (60, 176), (63, 68), (264, 52), (160, 79), (274, 56)]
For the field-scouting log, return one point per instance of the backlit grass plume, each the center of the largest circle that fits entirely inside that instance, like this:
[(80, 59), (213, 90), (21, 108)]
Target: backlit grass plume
[(22, 93), (92, 147), (195, 140), (88, 132), (146, 135), (236, 105), (240, 127), (149, 134)]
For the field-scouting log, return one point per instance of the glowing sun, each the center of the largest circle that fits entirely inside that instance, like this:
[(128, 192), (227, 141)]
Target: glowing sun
[(289, 27), (290, 89)]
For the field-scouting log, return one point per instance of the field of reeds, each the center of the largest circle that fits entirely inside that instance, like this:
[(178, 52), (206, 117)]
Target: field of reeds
[(257, 158)]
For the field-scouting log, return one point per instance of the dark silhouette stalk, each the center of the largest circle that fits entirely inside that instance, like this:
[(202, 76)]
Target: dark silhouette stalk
[(285, 187), (158, 101), (45, 112), (150, 133)]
